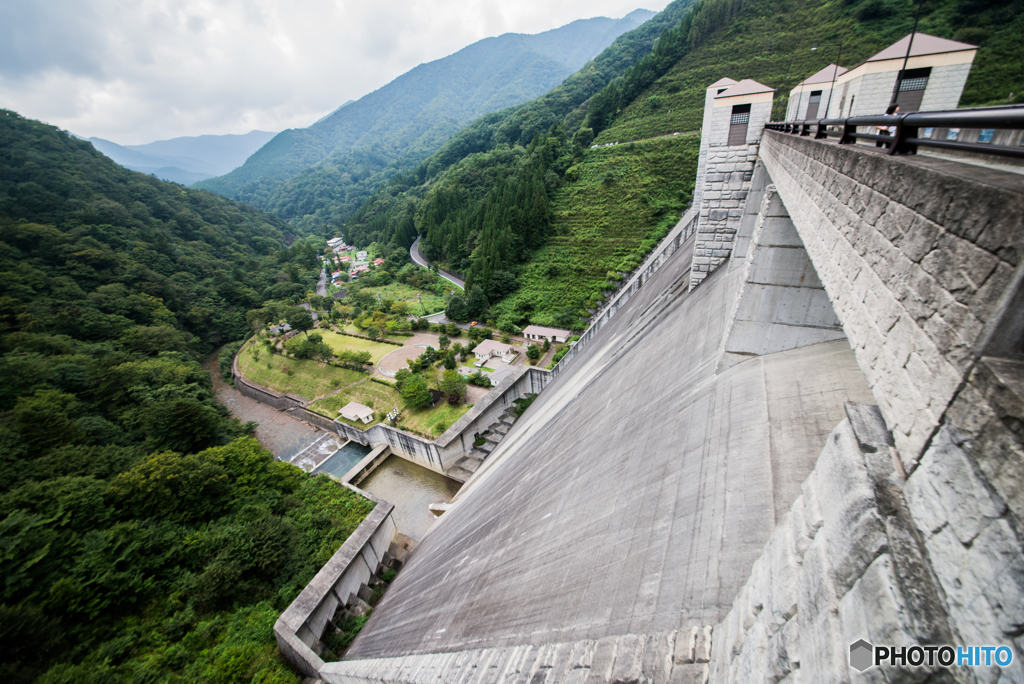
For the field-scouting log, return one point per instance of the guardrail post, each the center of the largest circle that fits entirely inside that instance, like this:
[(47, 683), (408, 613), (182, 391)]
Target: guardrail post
[(903, 132), (849, 134), (822, 132)]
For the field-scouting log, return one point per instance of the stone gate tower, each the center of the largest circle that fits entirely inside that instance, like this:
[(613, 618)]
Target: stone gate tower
[(733, 120)]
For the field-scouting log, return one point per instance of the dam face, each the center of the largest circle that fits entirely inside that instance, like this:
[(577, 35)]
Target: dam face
[(634, 495), (816, 445)]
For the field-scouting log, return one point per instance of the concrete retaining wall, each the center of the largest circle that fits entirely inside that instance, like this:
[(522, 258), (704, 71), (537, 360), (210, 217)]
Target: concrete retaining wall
[(438, 455), (679, 656), (301, 625)]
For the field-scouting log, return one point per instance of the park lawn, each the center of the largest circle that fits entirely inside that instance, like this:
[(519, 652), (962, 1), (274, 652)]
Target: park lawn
[(309, 379), (434, 421), (338, 342), (400, 292), (380, 398)]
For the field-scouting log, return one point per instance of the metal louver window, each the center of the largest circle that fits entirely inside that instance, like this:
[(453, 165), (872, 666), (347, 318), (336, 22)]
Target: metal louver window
[(812, 105), (740, 118), (738, 125), (913, 84)]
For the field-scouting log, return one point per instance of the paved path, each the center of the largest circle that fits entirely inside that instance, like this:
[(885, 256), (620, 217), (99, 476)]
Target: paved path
[(420, 260), (321, 287), (282, 434)]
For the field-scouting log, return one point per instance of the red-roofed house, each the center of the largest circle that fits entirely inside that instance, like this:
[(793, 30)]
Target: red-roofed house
[(378, 262)]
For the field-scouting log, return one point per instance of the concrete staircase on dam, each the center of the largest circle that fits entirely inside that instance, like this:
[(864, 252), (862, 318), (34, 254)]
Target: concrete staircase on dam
[(673, 657), (466, 466)]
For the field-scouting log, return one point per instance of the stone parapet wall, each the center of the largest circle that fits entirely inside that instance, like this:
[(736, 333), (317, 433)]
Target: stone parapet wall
[(863, 554), (679, 657), (915, 259)]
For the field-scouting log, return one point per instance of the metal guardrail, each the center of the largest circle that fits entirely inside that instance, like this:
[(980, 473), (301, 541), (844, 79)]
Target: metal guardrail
[(906, 129)]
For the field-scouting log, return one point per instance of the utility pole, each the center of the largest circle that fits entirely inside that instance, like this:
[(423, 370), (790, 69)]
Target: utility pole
[(835, 73), (906, 58)]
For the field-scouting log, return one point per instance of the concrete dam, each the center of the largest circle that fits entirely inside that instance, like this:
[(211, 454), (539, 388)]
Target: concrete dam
[(802, 432)]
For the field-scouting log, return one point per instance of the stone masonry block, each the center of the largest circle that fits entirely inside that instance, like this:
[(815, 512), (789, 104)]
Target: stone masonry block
[(874, 610), (946, 489), (822, 655), (657, 661), (854, 531), (752, 660), (603, 661), (784, 570), (976, 600), (628, 660), (690, 674), (959, 266)]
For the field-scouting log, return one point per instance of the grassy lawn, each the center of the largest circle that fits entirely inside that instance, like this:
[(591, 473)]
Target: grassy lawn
[(376, 349), (400, 292), (434, 421), (428, 421), (373, 394), (309, 379)]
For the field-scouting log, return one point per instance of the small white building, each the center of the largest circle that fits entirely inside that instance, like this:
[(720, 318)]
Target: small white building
[(355, 411), (811, 96), (936, 72), (541, 333), (361, 256), (489, 348)]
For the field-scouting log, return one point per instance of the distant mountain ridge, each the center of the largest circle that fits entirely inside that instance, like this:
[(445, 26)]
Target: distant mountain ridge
[(186, 160), (351, 151)]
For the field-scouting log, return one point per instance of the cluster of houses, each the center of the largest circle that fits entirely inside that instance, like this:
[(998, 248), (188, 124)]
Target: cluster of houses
[(507, 353)]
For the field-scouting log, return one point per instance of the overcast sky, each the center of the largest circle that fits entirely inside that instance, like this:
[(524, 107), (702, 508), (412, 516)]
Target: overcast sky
[(144, 70)]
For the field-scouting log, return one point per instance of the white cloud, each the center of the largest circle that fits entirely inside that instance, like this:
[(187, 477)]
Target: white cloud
[(135, 71)]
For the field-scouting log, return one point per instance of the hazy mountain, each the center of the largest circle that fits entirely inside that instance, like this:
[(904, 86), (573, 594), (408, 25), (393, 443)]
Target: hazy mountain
[(363, 144), (186, 160)]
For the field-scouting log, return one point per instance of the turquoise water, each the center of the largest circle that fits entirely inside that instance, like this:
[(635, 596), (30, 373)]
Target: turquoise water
[(344, 459)]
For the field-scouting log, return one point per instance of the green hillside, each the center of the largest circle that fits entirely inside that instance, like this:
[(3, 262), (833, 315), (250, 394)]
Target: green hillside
[(321, 174), (144, 535)]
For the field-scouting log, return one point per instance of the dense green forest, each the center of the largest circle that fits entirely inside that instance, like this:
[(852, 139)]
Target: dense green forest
[(144, 534), (649, 83), (320, 175)]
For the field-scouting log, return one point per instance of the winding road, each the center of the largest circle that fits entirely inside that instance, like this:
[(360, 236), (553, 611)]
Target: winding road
[(321, 287), (420, 260)]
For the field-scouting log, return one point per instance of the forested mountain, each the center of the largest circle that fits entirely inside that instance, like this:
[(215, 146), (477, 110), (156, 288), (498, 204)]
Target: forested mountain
[(143, 535), (549, 257), (186, 160), (321, 174)]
